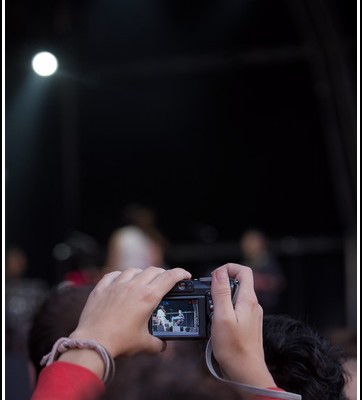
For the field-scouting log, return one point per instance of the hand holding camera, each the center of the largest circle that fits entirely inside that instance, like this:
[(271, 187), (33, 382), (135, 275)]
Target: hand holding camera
[(236, 331), (120, 314), (119, 307)]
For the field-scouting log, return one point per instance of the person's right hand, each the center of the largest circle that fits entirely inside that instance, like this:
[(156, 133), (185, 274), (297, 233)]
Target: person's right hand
[(236, 332), (118, 309)]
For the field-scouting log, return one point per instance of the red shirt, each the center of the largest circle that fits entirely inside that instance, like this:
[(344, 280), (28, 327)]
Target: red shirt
[(67, 381)]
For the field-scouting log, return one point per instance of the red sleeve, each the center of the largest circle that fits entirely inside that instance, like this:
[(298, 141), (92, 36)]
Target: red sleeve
[(266, 397), (67, 381), (270, 398)]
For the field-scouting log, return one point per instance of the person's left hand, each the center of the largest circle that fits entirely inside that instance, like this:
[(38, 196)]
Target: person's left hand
[(237, 332)]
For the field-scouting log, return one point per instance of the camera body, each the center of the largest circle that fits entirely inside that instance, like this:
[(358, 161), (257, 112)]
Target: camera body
[(186, 310)]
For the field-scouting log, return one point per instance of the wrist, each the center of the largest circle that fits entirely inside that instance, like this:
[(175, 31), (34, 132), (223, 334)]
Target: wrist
[(255, 374), (84, 336), (85, 358), (86, 353)]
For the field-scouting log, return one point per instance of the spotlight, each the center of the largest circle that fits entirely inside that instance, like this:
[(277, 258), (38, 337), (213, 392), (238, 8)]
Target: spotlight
[(44, 63)]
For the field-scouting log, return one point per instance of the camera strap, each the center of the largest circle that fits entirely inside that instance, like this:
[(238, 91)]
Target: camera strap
[(212, 363)]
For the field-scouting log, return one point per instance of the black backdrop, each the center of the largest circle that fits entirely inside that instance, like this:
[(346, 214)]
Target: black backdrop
[(224, 114)]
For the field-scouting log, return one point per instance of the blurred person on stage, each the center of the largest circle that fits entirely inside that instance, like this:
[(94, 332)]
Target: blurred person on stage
[(268, 275), (138, 242)]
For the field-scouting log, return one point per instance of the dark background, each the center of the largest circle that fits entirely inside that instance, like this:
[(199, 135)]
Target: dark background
[(219, 115)]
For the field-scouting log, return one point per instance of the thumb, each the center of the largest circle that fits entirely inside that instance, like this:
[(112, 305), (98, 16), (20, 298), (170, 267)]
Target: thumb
[(221, 293), (156, 345)]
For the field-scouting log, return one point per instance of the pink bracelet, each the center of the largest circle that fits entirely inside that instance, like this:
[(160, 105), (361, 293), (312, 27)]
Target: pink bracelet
[(64, 344)]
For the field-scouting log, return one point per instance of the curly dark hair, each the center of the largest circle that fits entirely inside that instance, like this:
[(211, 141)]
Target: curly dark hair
[(57, 317), (301, 360)]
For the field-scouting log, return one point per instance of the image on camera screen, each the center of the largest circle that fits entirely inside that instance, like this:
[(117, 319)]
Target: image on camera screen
[(177, 317)]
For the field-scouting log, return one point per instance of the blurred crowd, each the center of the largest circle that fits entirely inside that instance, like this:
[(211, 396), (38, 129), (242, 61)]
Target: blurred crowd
[(80, 264)]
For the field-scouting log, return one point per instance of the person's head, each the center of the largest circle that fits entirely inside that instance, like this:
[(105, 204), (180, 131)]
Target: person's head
[(138, 215), (16, 263), (57, 317), (301, 360), (143, 218), (253, 243), (131, 247)]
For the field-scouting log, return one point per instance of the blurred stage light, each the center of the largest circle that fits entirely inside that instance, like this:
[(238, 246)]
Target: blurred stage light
[(45, 64)]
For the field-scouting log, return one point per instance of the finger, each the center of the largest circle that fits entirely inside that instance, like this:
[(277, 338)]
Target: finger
[(156, 345), (164, 282), (127, 275), (234, 269), (244, 275), (149, 274), (221, 294), (107, 279)]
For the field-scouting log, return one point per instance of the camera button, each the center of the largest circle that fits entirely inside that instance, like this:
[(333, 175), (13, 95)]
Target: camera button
[(182, 286)]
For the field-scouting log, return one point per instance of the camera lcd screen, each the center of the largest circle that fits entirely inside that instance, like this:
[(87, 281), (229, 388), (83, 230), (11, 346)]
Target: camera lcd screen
[(179, 318)]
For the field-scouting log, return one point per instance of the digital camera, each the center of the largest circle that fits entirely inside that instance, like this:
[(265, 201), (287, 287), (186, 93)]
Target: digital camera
[(186, 310)]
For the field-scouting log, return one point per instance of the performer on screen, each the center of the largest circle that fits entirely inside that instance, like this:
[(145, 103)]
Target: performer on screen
[(178, 319), (161, 317)]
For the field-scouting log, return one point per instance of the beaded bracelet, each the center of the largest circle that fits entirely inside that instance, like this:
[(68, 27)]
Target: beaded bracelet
[(64, 344)]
